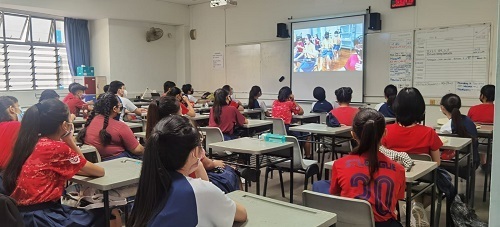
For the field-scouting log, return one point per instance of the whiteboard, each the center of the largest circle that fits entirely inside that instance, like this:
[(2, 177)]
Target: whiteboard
[(401, 59), (243, 66), (275, 63), (452, 59)]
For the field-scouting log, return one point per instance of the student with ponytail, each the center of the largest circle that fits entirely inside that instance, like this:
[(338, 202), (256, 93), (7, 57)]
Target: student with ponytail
[(224, 116), (167, 196), (368, 174), (390, 92), (9, 127), (344, 113), (112, 138), (186, 106), (458, 123), (45, 156)]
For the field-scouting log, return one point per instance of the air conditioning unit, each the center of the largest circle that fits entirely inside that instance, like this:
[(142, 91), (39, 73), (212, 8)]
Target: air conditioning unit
[(223, 3)]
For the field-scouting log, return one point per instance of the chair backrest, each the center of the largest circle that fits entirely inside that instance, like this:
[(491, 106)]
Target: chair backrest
[(212, 135), (91, 153), (278, 126), (322, 118), (421, 157), (298, 162), (350, 212)]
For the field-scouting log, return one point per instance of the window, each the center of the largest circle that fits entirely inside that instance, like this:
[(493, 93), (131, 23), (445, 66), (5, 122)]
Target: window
[(33, 53)]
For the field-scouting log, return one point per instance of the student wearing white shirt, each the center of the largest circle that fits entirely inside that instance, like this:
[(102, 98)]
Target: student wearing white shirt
[(188, 90), (118, 88), (166, 195)]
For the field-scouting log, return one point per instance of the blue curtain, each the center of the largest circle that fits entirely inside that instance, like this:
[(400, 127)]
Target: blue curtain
[(77, 43)]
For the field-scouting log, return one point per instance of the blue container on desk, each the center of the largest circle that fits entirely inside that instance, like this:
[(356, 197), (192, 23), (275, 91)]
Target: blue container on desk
[(85, 70), (274, 138)]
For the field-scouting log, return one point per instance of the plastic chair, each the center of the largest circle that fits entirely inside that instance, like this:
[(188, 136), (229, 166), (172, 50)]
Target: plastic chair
[(91, 153), (213, 135), (350, 212), (307, 167), (278, 126)]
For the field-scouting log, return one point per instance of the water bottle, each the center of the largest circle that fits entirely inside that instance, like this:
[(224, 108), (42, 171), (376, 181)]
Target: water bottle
[(274, 138)]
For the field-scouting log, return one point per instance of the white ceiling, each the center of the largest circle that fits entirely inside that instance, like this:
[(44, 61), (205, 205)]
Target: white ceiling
[(186, 2)]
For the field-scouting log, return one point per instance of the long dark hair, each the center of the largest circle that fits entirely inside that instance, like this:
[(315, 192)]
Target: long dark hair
[(167, 150), (220, 96), (251, 96), (157, 110), (42, 119), (390, 92), (104, 106), (174, 91), (5, 103), (369, 126), (48, 94), (344, 94), (284, 94), (452, 104)]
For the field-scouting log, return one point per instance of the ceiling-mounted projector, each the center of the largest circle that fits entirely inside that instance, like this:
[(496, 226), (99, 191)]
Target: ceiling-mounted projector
[(223, 3)]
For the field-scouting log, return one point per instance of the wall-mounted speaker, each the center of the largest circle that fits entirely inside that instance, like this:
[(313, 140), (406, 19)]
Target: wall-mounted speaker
[(192, 34), (282, 31), (374, 22)]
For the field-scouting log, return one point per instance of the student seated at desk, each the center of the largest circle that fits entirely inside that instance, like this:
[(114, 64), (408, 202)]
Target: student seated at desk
[(166, 87), (186, 106), (484, 113), (48, 94), (167, 196), (368, 174), (253, 100), (9, 128), (283, 108), (167, 106), (408, 135), (321, 106), (188, 90), (44, 158), (224, 116), (118, 88), (233, 101), (344, 113), (113, 139), (458, 124), (390, 92), (74, 99)]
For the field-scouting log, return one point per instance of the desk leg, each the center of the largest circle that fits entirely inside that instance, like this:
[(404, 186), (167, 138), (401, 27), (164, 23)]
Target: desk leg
[(257, 165), (107, 210), (471, 182), (408, 204), (210, 153), (291, 175), (487, 172), (457, 152), (433, 198)]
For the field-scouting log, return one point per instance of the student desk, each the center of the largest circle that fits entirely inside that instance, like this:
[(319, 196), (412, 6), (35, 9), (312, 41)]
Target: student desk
[(390, 120), (200, 119), (202, 109), (258, 148), (248, 112), (264, 211), (307, 118), (136, 127), (319, 130), (79, 120), (257, 126), (114, 178), (457, 144), (141, 103), (419, 169), (140, 135)]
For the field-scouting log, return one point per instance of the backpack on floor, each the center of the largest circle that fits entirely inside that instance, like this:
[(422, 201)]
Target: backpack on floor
[(464, 216)]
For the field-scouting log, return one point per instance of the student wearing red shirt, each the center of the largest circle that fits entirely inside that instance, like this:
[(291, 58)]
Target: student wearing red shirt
[(74, 99), (9, 127), (368, 174), (44, 158), (186, 106), (224, 116), (408, 135), (344, 113), (283, 108), (237, 104), (484, 113), (112, 138)]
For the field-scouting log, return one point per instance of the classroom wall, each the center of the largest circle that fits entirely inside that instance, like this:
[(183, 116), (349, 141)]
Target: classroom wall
[(255, 21), (99, 47)]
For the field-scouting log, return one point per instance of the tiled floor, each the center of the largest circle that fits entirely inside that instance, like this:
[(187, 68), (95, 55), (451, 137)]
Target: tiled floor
[(273, 191)]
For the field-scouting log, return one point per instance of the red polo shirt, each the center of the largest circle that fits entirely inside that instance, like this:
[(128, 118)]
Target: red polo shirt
[(74, 103)]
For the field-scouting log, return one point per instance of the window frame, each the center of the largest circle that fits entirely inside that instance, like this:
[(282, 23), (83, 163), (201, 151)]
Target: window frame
[(52, 43)]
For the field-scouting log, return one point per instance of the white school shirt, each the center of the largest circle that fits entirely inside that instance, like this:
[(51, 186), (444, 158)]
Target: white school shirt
[(377, 107), (192, 99), (127, 105), (446, 128)]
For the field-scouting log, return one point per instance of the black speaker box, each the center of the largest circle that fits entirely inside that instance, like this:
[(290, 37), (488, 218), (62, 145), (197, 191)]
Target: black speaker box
[(374, 22), (282, 31)]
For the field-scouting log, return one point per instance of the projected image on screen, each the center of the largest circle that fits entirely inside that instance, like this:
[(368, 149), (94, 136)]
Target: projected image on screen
[(331, 48)]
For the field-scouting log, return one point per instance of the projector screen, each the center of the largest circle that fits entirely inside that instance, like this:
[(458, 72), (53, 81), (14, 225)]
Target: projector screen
[(327, 53)]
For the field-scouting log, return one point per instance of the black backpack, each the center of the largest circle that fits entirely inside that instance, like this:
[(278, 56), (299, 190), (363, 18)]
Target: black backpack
[(331, 120)]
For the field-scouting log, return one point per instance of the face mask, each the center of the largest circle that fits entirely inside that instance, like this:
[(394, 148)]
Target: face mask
[(125, 93), (70, 131), (20, 115)]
